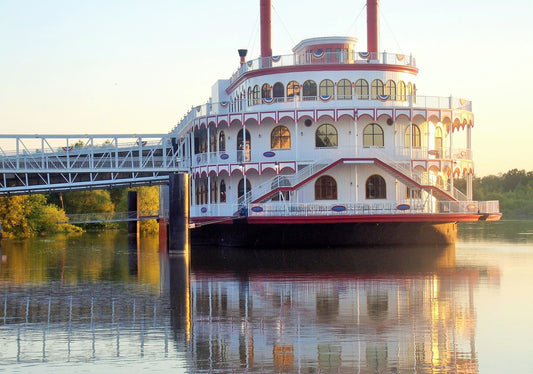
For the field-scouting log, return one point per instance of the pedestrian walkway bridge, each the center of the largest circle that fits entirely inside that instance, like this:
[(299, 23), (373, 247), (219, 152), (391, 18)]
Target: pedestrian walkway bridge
[(48, 163)]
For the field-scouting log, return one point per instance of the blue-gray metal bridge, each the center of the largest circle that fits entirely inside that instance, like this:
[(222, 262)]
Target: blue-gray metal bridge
[(52, 163)]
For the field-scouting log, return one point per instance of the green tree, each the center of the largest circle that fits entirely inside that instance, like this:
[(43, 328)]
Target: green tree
[(30, 215), (96, 201)]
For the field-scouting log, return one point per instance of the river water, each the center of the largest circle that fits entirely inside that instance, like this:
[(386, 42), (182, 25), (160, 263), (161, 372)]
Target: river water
[(103, 303)]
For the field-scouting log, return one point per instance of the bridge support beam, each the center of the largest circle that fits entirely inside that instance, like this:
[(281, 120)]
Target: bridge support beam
[(133, 213), (178, 213)]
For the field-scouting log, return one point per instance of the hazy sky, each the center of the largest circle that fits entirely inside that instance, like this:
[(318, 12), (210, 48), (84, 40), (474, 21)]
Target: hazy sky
[(123, 66)]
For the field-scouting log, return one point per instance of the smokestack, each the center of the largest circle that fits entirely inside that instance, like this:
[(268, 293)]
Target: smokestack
[(372, 26), (242, 54), (266, 25)]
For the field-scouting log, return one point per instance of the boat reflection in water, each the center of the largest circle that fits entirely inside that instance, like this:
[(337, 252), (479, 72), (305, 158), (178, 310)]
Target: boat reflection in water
[(224, 310), (375, 310)]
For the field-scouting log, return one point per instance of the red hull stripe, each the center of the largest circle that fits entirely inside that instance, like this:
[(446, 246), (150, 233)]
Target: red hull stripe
[(373, 218)]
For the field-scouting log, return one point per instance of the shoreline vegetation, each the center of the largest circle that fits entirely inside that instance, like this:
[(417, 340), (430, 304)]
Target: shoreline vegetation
[(24, 216)]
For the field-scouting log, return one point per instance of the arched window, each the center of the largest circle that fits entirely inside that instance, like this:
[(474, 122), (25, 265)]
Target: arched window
[(250, 96), (222, 141), (278, 92), (280, 138), (293, 89), (241, 191), (214, 193), (266, 91), (222, 191), (415, 138), (201, 191), (361, 89), (326, 89), (409, 90), (390, 89), (244, 146), (256, 94), (376, 188), (438, 142), (325, 188), (400, 91), (212, 140), (344, 90), (309, 90), (326, 136), (373, 136), (414, 93), (376, 89)]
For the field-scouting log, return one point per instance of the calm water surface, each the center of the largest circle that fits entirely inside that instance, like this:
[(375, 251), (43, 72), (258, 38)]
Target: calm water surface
[(101, 303)]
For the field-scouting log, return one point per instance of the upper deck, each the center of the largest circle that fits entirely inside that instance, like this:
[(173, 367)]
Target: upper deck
[(320, 59)]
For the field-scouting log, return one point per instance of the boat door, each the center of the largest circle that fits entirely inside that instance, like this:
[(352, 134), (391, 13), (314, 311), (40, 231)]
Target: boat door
[(244, 146)]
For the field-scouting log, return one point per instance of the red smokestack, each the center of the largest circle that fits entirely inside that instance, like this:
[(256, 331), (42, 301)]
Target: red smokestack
[(266, 23), (372, 26)]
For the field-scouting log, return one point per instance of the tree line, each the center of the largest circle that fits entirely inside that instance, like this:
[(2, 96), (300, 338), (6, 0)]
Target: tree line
[(25, 216), (514, 190)]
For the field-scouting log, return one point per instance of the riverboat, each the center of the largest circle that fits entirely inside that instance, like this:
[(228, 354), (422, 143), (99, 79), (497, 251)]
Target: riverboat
[(327, 146)]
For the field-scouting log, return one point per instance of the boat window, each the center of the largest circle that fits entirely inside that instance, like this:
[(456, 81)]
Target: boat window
[(244, 146), (390, 89), (278, 92), (415, 138), (373, 136), (266, 91), (212, 139), (222, 191), (309, 90), (222, 141), (241, 191), (376, 188), (344, 90), (255, 94), (361, 89), (250, 96), (326, 136), (438, 142), (214, 193), (409, 90), (280, 138), (325, 188), (400, 91), (293, 89), (376, 89), (201, 191), (326, 89)]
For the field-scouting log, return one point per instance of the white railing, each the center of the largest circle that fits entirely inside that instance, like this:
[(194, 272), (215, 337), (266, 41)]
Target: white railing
[(327, 58), (288, 103), (337, 208)]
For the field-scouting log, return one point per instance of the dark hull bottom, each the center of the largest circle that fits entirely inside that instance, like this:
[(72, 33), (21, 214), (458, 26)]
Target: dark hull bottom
[(323, 235)]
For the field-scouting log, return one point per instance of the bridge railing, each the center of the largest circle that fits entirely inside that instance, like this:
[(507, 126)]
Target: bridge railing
[(110, 217)]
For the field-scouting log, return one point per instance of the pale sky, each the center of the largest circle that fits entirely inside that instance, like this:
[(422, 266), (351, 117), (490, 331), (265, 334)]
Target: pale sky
[(137, 66)]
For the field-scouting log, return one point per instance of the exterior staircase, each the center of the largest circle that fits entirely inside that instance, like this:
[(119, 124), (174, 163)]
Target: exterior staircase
[(410, 177)]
